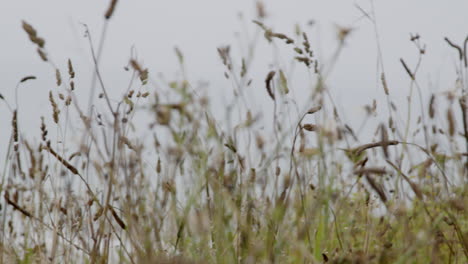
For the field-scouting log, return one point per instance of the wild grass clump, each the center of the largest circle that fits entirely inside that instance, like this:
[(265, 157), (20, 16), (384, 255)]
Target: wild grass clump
[(293, 184)]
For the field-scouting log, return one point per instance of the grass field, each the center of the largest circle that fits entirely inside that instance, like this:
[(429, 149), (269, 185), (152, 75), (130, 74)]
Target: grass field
[(293, 184)]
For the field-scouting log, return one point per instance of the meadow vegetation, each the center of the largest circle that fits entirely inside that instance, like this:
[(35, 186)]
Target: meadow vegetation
[(294, 184)]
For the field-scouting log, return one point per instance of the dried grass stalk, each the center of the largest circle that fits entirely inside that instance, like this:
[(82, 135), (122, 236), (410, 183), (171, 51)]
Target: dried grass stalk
[(375, 171), (27, 78), (58, 77), (451, 122), (261, 13), (43, 130), (384, 140), (117, 218), (310, 127), (64, 162), (377, 188), (306, 60), (408, 71), (432, 106), (314, 109), (14, 124), (55, 108), (361, 163), (268, 79), (224, 54), (42, 54), (384, 83), (158, 166), (413, 186), (306, 43), (32, 34), (15, 205), (111, 9), (136, 66), (71, 72), (282, 36), (458, 48), (362, 148)]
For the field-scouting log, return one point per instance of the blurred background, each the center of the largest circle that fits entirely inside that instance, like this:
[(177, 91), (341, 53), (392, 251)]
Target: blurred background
[(151, 29)]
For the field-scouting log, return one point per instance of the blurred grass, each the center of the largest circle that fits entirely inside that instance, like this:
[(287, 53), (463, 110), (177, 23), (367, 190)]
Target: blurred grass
[(191, 187)]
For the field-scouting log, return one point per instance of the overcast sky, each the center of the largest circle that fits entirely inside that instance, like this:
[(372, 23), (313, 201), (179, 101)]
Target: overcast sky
[(199, 27)]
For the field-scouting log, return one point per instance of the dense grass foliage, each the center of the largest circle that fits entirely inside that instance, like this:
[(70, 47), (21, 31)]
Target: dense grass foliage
[(292, 184)]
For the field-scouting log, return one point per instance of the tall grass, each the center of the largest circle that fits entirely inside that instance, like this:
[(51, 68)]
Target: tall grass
[(294, 184)]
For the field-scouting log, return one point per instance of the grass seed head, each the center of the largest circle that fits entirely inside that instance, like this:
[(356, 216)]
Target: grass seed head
[(384, 83), (55, 108), (261, 12), (451, 122), (14, 124), (32, 34), (314, 109), (71, 72), (432, 106), (110, 9), (27, 78), (58, 77), (42, 54), (310, 127), (268, 79)]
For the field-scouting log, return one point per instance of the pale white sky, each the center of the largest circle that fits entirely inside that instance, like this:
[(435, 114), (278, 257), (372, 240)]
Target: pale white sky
[(199, 27)]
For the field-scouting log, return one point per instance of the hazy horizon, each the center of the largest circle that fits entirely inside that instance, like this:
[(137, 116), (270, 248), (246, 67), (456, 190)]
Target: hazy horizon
[(153, 29)]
